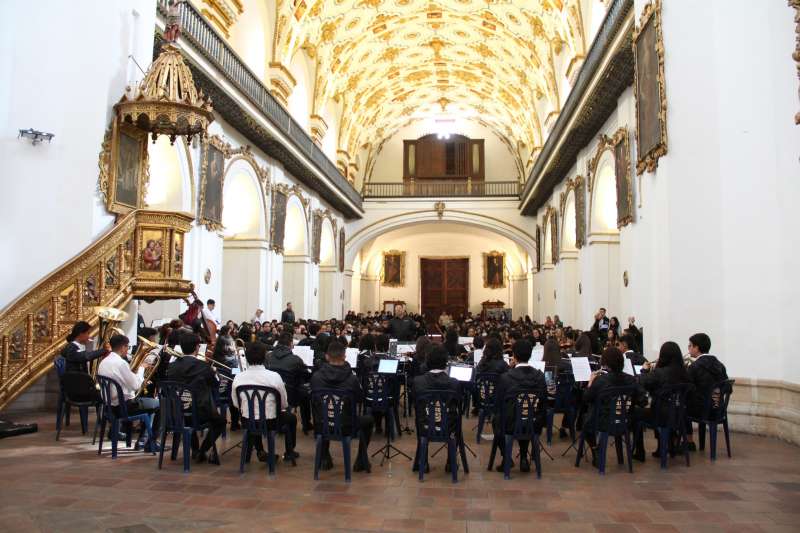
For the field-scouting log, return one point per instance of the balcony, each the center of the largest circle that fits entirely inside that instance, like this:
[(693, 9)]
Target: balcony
[(292, 145), (441, 189)]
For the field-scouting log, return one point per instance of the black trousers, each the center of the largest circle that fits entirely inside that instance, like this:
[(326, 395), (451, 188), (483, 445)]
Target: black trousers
[(500, 438), (286, 421), (365, 425), (216, 426)]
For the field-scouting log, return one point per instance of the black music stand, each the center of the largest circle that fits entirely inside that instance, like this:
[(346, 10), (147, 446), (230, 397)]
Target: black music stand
[(388, 451)]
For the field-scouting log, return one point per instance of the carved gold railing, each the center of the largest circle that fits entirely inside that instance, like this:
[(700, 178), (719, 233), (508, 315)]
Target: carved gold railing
[(141, 256)]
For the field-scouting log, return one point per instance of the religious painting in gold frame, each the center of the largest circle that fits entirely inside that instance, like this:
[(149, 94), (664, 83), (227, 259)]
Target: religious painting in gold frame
[(177, 254), (619, 146), (212, 178), (393, 271), (126, 170), (494, 270), (650, 89), (153, 252)]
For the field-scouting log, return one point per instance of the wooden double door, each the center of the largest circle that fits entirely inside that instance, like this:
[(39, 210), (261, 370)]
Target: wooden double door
[(444, 287)]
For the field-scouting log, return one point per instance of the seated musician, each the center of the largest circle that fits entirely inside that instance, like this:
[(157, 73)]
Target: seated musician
[(492, 359), (552, 357), (75, 353), (257, 374), (521, 377), (454, 350), (225, 354), (436, 379), (365, 362), (668, 370), (117, 367), (583, 346), (336, 374), (611, 374), (201, 378), (705, 371), (626, 345), (283, 359)]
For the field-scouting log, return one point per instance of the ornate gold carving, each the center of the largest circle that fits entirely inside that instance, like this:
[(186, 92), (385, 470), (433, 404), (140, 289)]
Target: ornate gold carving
[(213, 145), (580, 212), (32, 328), (124, 171), (617, 144), (494, 270), (439, 208), (796, 54), (393, 269), (647, 157), (167, 102)]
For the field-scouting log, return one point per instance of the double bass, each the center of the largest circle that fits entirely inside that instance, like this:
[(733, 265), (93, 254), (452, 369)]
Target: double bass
[(195, 312)]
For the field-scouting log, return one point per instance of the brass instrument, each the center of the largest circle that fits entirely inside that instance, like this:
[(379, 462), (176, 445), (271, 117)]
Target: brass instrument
[(688, 360), (143, 351), (173, 353), (109, 320)]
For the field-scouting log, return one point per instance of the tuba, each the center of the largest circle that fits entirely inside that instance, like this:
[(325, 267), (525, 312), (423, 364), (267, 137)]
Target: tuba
[(109, 320)]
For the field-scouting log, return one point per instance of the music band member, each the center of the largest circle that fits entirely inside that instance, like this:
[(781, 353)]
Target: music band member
[(75, 352), (257, 374), (116, 367), (199, 377)]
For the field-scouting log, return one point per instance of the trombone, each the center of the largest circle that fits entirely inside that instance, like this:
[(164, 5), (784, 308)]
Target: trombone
[(174, 353)]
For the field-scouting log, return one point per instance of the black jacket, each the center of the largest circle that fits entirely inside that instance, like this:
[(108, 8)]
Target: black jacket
[(636, 358), (656, 379), (455, 351), (338, 377), (493, 366), (287, 316), (431, 381), (198, 376), (600, 384), (516, 380), (292, 366), (402, 329), (77, 361), (704, 373)]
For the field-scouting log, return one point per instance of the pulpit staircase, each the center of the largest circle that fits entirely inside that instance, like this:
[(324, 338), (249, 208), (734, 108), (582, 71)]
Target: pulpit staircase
[(110, 272)]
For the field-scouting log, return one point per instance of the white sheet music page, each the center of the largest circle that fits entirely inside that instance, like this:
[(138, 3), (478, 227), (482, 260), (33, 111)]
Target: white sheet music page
[(351, 356), (580, 368), (306, 353)]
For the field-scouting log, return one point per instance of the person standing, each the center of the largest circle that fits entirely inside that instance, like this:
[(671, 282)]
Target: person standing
[(400, 326), (287, 316)]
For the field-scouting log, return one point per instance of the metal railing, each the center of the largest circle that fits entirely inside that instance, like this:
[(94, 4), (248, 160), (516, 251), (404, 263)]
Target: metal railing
[(196, 30), (441, 188)]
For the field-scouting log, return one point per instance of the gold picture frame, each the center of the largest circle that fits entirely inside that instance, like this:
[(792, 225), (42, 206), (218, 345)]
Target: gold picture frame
[(649, 87), (154, 254), (494, 270), (393, 269), (214, 152), (124, 168)]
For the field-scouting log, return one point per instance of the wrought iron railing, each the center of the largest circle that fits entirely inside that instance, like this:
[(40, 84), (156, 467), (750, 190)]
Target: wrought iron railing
[(441, 188), (196, 29), (108, 273)]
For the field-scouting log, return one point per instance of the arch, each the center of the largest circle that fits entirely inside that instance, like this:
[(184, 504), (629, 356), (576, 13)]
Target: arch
[(327, 245), (356, 241), (547, 249), (568, 222), (296, 239), (244, 213), (603, 199), (299, 102), (251, 36), (171, 187)]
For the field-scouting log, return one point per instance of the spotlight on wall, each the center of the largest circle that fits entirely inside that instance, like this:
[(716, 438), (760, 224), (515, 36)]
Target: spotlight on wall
[(35, 136)]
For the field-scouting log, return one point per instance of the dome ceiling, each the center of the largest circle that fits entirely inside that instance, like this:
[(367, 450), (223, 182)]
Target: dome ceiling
[(392, 62)]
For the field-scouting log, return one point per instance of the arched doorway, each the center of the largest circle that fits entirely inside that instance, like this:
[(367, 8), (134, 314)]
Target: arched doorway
[(329, 284)]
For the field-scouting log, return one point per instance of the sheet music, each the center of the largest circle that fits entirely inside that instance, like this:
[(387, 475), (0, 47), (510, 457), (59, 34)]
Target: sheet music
[(580, 368), (628, 367), (405, 348), (463, 341), (538, 353), (477, 355), (538, 365), (202, 350), (306, 353), (461, 373), (637, 369), (351, 356)]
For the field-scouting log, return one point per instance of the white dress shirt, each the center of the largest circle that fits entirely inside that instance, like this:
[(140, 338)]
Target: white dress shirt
[(118, 369), (259, 375), (209, 315)]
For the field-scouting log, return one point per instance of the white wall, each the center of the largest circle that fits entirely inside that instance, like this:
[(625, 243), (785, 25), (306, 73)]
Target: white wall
[(499, 162), (62, 67)]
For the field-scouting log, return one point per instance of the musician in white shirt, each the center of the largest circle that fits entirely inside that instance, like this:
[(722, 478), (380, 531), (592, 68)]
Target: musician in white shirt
[(257, 374), (116, 367)]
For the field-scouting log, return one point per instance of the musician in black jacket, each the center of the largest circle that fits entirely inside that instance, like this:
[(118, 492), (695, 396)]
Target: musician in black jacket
[(522, 377), (705, 371), (295, 375), (75, 352), (201, 378), (626, 345), (492, 359), (610, 375), (337, 374)]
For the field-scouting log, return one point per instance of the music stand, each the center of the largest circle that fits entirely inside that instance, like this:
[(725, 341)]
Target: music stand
[(388, 451), (464, 374)]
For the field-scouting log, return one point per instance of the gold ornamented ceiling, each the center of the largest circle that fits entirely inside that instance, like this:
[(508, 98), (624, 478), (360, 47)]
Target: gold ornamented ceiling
[(392, 62)]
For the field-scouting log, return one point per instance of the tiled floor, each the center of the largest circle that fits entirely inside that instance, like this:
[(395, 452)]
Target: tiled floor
[(65, 486)]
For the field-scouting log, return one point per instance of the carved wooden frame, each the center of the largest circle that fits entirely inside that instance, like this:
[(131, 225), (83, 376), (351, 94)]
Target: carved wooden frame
[(649, 160), (486, 256), (109, 154), (227, 151), (402, 255)]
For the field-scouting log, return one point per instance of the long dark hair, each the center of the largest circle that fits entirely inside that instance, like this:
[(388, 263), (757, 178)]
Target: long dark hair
[(670, 355), (583, 347), (79, 328), (493, 349), (552, 353)]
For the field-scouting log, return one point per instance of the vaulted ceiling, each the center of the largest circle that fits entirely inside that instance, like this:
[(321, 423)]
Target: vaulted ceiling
[(392, 62)]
